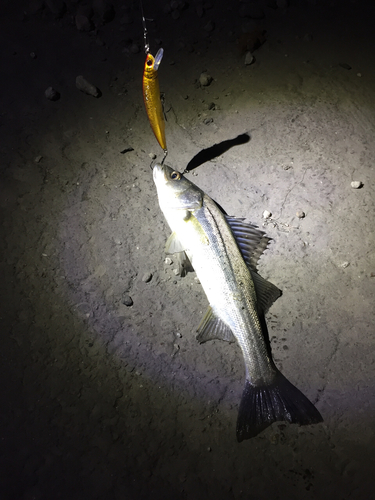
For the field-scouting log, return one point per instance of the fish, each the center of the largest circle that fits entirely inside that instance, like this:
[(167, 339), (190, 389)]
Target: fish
[(224, 252)]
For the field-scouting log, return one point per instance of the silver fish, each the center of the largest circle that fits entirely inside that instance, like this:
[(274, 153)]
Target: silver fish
[(224, 252)]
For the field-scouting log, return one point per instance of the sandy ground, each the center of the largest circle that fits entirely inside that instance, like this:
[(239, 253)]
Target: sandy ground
[(100, 400)]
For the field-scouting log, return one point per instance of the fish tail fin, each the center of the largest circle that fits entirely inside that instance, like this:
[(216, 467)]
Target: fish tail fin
[(279, 401)]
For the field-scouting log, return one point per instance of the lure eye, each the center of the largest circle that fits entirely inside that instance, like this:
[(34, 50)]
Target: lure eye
[(175, 176), (149, 62)]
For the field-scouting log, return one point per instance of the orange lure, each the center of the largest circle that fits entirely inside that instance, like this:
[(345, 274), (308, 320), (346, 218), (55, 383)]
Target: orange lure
[(151, 96)]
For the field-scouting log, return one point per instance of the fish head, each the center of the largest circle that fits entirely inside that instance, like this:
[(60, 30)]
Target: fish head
[(175, 191)]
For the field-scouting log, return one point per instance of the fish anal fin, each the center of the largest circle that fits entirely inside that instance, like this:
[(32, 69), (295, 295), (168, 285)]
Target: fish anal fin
[(266, 292), (261, 405), (211, 327)]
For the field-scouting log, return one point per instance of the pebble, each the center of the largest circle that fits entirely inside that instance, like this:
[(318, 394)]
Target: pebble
[(52, 94), (249, 58), (300, 214), (135, 48), (251, 10), (57, 7), (127, 300), (178, 334), (37, 159), (199, 10), (126, 150), (345, 264), (210, 26), (356, 184), (86, 87), (205, 79), (146, 278), (83, 23), (345, 65), (117, 241), (266, 214), (168, 261), (105, 10)]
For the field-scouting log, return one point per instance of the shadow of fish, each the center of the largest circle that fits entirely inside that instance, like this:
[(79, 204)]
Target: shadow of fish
[(224, 252)]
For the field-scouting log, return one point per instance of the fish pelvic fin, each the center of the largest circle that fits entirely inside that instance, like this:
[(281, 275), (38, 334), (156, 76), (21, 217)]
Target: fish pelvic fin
[(279, 401)]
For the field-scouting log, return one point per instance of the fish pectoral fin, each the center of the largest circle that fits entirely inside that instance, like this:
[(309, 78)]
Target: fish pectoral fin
[(173, 244), (183, 264), (211, 327)]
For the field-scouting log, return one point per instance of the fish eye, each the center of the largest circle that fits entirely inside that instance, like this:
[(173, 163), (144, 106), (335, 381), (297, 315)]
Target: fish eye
[(175, 176)]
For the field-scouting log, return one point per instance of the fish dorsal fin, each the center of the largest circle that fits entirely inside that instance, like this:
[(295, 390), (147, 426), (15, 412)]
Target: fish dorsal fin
[(211, 327), (250, 240)]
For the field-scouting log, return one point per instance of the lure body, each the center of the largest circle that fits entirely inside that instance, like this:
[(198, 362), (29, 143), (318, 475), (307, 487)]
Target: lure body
[(151, 96)]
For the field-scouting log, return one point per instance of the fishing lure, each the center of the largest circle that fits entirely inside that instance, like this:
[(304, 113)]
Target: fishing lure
[(151, 92)]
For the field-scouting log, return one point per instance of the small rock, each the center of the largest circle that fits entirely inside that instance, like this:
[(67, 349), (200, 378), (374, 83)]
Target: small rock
[(345, 65), (266, 214), (251, 10), (83, 23), (205, 79), (36, 6), (359, 74), (356, 184), (146, 278), (178, 335), (282, 4), (210, 26), (117, 241), (57, 7), (199, 10), (105, 10), (168, 261), (249, 58), (207, 121), (52, 94), (300, 214), (86, 87), (127, 300), (85, 10), (126, 150), (37, 159), (196, 279), (345, 264)]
